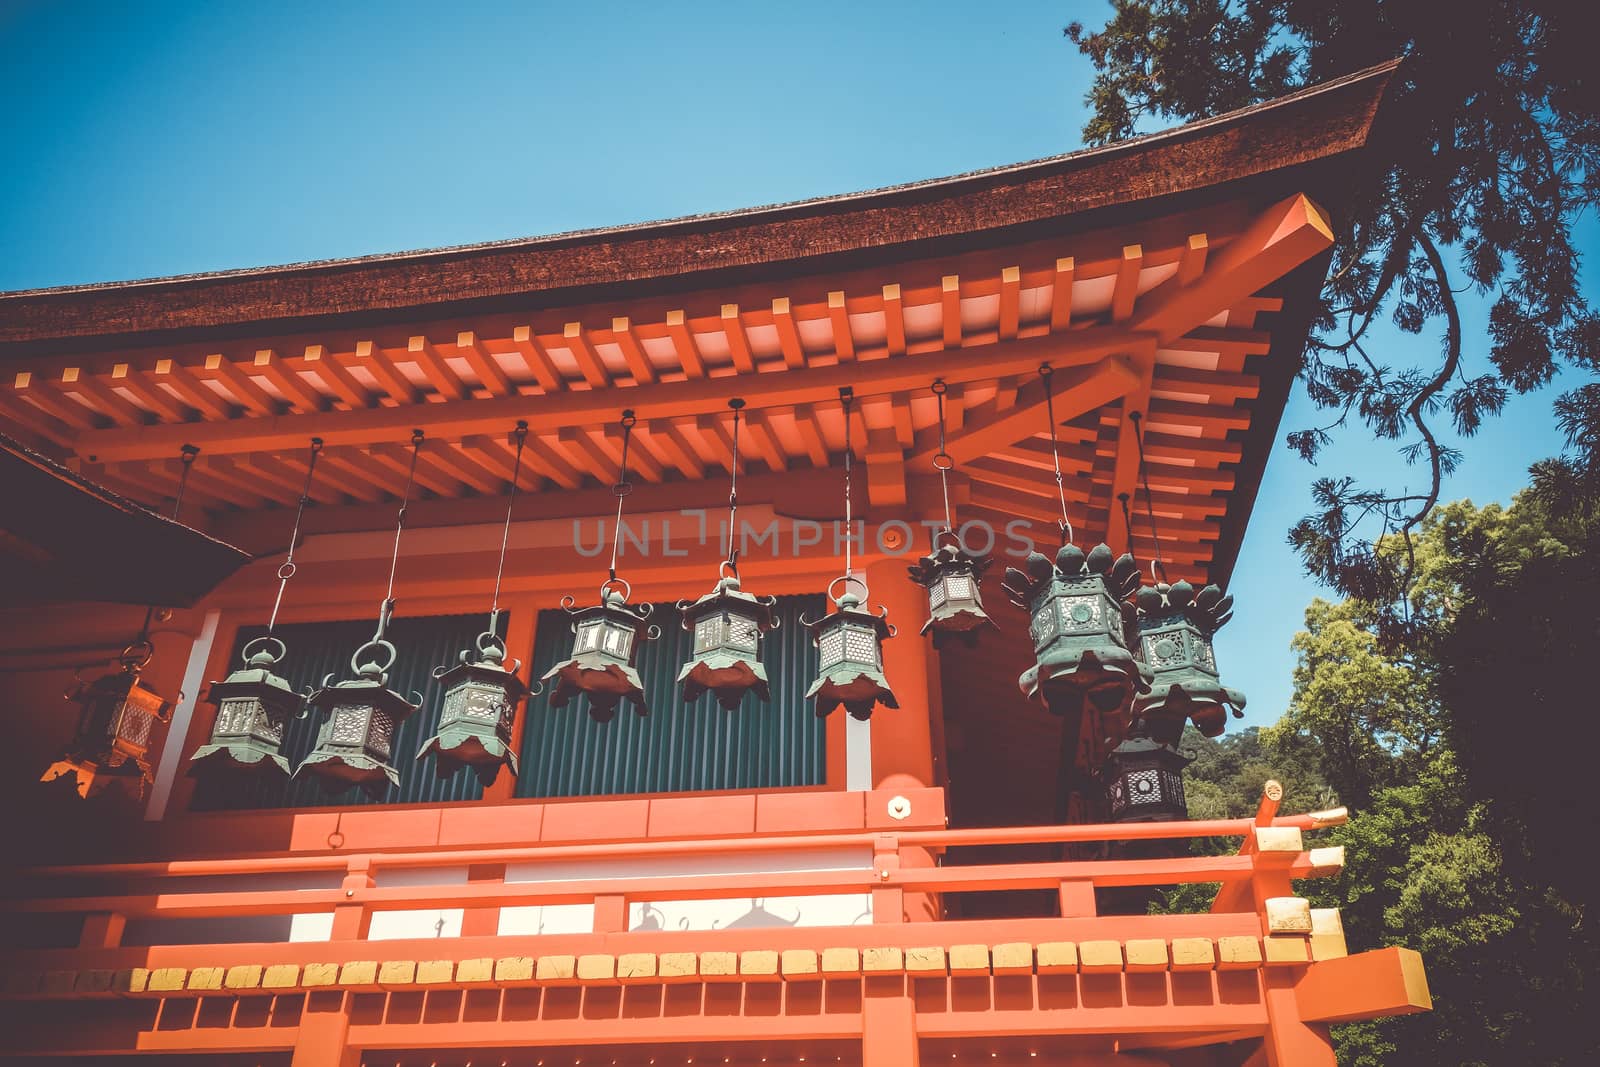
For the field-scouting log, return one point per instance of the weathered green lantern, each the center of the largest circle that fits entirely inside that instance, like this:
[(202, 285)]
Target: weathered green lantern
[(253, 710), (1176, 629), (1144, 781), (849, 644), (952, 577), (605, 648), (480, 704), (481, 692), (116, 718), (728, 625), (355, 745), (1080, 623), (253, 703)]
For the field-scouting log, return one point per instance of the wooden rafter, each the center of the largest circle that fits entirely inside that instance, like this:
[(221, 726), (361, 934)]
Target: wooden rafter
[(844, 345), (588, 360), (333, 375), (99, 396), (300, 396), (738, 341), (491, 376), (440, 374), (239, 385), (633, 352), (378, 364), (788, 335), (544, 370), (894, 321)]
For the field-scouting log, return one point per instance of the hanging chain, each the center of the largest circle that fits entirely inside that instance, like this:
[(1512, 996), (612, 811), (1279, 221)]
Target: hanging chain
[(846, 395), (943, 461), (521, 434), (622, 488), (1156, 565), (129, 656), (386, 611), (733, 488), (1045, 371), (287, 570)]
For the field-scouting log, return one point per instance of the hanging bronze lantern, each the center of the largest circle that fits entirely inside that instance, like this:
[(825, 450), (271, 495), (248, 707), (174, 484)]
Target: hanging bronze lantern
[(950, 573), (356, 742), (605, 647), (253, 710), (115, 722), (952, 577), (1144, 781), (1080, 622), (728, 625), (481, 693), (849, 644), (1176, 628), (480, 704), (254, 704)]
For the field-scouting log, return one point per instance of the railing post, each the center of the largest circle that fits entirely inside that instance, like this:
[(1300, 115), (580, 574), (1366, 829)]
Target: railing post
[(888, 1025), (1077, 900), (352, 921), (482, 922), (102, 929), (611, 914), (321, 1039), (888, 902)]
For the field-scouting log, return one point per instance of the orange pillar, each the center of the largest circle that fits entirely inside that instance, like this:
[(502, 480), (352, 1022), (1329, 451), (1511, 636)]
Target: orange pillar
[(889, 1025), (902, 740), (321, 1040)]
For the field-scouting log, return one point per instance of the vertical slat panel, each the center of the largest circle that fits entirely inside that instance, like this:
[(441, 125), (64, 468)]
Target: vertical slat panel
[(678, 747), (319, 649)]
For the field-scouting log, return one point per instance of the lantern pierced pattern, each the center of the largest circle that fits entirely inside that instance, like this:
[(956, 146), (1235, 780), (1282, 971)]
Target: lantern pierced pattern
[(115, 722), (356, 742), (849, 644), (728, 625), (253, 710), (605, 648), (1080, 622), (952, 576), (1176, 627), (1144, 781), (480, 704)]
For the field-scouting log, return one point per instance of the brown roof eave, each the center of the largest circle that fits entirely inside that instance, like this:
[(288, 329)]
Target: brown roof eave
[(1208, 158)]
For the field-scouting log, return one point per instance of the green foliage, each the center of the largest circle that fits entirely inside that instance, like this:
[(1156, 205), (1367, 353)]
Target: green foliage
[(1495, 154), (1464, 758)]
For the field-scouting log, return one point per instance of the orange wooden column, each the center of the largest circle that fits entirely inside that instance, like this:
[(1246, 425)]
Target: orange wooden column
[(889, 1024), (902, 740), (321, 1039)]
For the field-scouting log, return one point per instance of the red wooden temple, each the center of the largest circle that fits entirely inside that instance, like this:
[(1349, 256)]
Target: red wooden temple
[(938, 883)]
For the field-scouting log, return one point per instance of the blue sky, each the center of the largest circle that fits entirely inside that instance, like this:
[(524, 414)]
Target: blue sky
[(152, 139)]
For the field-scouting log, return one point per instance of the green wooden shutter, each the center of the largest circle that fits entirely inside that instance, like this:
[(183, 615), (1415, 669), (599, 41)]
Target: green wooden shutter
[(678, 747)]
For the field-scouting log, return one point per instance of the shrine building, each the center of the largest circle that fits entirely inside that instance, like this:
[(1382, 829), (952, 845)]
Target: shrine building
[(755, 638)]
